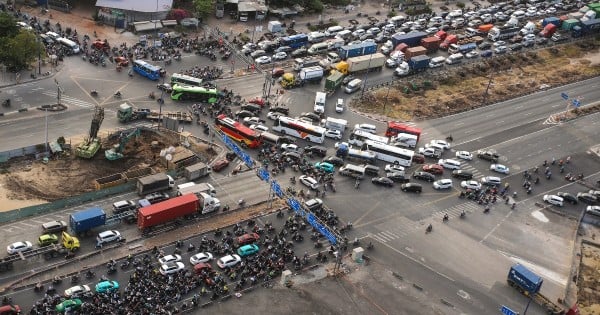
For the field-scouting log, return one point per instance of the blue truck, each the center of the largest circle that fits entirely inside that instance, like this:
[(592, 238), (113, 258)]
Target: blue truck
[(410, 39), (551, 20), (463, 49), (356, 50), (85, 220), (586, 27), (414, 65)]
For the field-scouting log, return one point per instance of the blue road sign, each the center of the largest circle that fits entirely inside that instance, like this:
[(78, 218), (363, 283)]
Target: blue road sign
[(239, 152), (277, 189), (576, 102), (263, 174), (507, 311), (310, 218), (564, 96)]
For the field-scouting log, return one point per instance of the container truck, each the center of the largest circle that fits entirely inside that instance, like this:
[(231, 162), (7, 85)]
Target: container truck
[(586, 28), (530, 284), (463, 49), (414, 65), (154, 183), (432, 44), (85, 220), (196, 171), (311, 74), (175, 208), (548, 30), (361, 64), (502, 33), (198, 188), (334, 81), (410, 39), (357, 50), (415, 51)]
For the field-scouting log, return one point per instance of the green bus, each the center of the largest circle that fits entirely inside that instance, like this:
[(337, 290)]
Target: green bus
[(194, 93)]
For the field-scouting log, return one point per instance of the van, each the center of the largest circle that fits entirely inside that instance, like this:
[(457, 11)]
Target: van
[(437, 62), (316, 37), (335, 44), (345, 34), (411, 187), (353, 86), (366, 128), (371, 170), (519, 14), (319, 48), (320, 99), (332, 31), (454, 59), (470, 32), (398, 20), (314, 204), (53, 35), (352, 170), (186, 185)]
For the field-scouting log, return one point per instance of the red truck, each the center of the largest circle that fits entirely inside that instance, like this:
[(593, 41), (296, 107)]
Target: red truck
[(441, 34), (174, 208), (450, 39), (548, 30), (431, 43), (414, 51)]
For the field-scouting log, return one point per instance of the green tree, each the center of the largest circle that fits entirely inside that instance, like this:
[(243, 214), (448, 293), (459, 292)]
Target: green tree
[(204, 8), (19, 51), (8, 25)]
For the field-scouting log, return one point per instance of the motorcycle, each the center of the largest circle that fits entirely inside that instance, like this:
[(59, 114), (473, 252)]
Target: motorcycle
[(6, 103), (445, 218), (429, 229), (463, 215), (94, 93), (118, 94), (152, 95)]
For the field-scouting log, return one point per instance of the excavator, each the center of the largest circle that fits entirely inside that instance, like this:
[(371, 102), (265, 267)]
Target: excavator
[(90, 146), (116, 153)]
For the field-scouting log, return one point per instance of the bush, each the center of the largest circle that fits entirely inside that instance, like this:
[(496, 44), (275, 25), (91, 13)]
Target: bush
[(178, 14), (460, 5)]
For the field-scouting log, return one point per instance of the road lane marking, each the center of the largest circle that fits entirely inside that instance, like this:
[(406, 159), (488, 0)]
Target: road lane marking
[(375, 206)]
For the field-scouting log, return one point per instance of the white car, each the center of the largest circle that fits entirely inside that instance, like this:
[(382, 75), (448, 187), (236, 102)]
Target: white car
[(500, 49), (470, 184), (499, 168), (551, 10), (77, 290), (449, 164), (171, 267), (554, 200), (263, 60), (289, 147), (435, 146), (279, 56), (441, 143), (430, 152), (472, 54), (393, 168), (594, 210), (19, 247), (259, 127), (334, 134), (499, 43), (169, 258), (339, 106), (273, 115), (442, 184), (251, 120), (228, 261), (464, 155), (309, 182), (201, 258), (108, 236)]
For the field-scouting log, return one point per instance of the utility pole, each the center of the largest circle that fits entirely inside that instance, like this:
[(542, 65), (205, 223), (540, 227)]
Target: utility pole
[(362, 93)]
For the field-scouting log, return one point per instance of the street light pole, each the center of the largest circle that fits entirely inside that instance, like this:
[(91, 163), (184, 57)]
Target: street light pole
[(362, 93), (40, 52)]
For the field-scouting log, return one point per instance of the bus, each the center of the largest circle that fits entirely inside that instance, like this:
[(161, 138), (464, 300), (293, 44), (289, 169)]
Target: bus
[(295, 41), (71, 45), (194, 93), (147, 70), (182, 79), (358, 138), (389, 153), (247, 137), (394, 128), (299, 129)]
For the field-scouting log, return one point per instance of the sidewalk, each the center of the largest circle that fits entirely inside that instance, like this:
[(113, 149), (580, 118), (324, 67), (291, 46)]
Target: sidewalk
[(24, 76)]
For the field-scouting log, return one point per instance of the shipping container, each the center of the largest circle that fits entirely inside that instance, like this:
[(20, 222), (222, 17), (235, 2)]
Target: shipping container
[(415, 51), (432, 44), (167, 210), (568, 24), (410, 39), (356, 50), (85, 220)]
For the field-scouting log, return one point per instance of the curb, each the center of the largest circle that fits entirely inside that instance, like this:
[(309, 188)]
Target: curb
[(38, 78)]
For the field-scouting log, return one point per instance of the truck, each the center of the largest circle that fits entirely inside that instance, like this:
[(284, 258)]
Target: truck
[(330, 59), (548, 30), (196, 171), (361, 64), (587, 27), (410, 39), (502, 33), (450, 39), (187, 205), (154, 183), (66, 248), (184, 117), (311, 74), (463, 49), (529, 28), (432, 44), (474, 39), (347, 152), (300, 63), (197, 189), (83, 221), (357, 50), (127, 113), (415, 51), (530, 284), (551, 20), (414, 65), (569, 24), (334, 81), (336, 124)]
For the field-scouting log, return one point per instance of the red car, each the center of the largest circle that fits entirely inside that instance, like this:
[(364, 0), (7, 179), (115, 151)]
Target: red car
[(247, 238), (198, 268), (121, 61), (220, 164), (434, 169), (277, 72), (257, 101), (100, 44)]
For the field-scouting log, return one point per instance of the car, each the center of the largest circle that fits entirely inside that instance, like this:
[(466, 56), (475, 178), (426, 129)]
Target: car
[(470, 184), (280, 109), (107, 286), (515, 47), (251, 120), (499, 43), (220, 164), (285, 49), (123, 205), (449, 164), (203, 257), (279, 56), (444, 183), (277, 72), (312, 117), (550, 10), (68, 305), (462, 174), (593, 210), (500, 50), (491, 181), (484, 46), (334, 160), (263, 60), (587, 198), (259, 127), (567, 197), (165, 87), (424, 176), (290, 147), (596, 193), (314, 204), (247, 238), (199, 268), (397, 177), (300, 52), (78, 290), (434, 169), (108, 236), (258, 53), (464, 155), (472, 54), (171, 267), (393, 168), (347, 79), (241, 114), (411, 187), (383, 181), (287, 139), (553, 200), (228, 261), (309, 182), (293, 156), (333, 134), (325, 167), (430, 152), (247, 250), (442, 143), (47, 239), (169, 258), (488, 155), (18, 247), (156, 197), (558, 38), (435, 146), (274, 115), (541, 41), (54, 227), (339, 105), (499, 168)]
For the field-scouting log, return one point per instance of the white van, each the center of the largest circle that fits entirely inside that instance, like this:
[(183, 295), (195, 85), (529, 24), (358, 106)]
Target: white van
[(470, 32), (352, 171), (335, 43), (316, 37), (454, 59), (345, 34), (353, 86), (318, 48), (366, 128), (185, 185), (437, 62), (519, 14), (332, 31), (320, 99), (398, 20)]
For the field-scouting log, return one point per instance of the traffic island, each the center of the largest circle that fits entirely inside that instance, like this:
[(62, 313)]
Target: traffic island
[(53, 107)]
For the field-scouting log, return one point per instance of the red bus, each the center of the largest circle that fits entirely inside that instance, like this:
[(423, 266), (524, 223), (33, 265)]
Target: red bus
[(237, 131), (394, 128)]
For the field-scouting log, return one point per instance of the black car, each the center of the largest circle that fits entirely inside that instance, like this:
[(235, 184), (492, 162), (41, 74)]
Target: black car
[(251, 108), (280, 109), (411, 187), (347, 79), (397, 177), (484, 46), (243, 114), (334, 160), (488, 155), (316, 150), (383, 181), (157, 197), (295, 157), (424, 176), (587, 198), (286, 139), (567, 197), (311, 116), (300, 52), (461, 174)]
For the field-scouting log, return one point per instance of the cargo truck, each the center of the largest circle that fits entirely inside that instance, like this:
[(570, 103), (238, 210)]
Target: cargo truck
[(196, 171), (197, 189), (569, 24), (586, 28), (449, 40), (300, 63), (336, 124), (502, 33), (551, 20), (334, 81), (415, 51), (463, 49), (361, 64), (357, 50), (187, 205), (548, 30), (410, 39), (154, 183), (530, 284), (83, 221), (414, 65), (432, 44), (311, 74)]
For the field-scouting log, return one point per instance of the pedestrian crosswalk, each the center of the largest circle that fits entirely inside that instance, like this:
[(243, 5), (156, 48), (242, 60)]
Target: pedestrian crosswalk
[(455, 211), (471, 169), (69, 100)]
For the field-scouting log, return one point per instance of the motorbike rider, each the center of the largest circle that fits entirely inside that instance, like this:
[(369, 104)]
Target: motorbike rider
[(429, 227)]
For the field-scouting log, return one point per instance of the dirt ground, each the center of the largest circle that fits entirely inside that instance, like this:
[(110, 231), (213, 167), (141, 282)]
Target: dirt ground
[(588, 294)]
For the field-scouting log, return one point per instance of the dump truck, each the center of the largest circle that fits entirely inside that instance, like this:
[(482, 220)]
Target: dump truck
[(357, 50), (83, 221), (530, 284), (187, 205), (66, 248), (334, 81), (196, 171), (154, 183), (361, 64), (197, 189), (311, 74)]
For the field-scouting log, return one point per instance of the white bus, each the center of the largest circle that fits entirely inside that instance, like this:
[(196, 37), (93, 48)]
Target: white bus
[(390, 153), (69, 44), (299, 129), (358, 138), (182, 79)]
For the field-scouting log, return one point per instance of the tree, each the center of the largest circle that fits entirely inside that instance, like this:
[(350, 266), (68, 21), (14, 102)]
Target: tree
[(8, 25), (19, 51), (204, 8)]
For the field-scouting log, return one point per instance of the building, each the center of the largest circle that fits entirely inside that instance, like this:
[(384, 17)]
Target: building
[(247, 10), (122, 13)]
